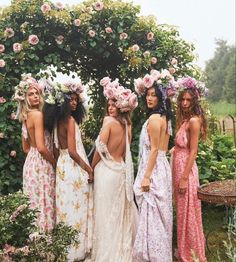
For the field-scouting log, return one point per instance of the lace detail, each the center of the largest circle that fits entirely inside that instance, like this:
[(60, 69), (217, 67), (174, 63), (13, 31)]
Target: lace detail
[(24, 131)]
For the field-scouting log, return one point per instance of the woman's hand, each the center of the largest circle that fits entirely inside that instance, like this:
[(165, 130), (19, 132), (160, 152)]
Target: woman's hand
[(90, 173), (183, 185), (145, 185)]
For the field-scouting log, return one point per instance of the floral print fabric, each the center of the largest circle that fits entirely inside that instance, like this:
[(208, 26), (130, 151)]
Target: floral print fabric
[(154, 234), (189, 221)]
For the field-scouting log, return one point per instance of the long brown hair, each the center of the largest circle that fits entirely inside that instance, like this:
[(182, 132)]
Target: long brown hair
[(122, 117), (195, 110)]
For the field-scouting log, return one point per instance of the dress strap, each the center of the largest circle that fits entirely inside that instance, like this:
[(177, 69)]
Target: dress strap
[(55, 137)]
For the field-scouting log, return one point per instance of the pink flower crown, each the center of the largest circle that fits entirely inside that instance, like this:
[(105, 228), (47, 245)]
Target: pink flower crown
[(126, 100), (21, 89), (155, 77)]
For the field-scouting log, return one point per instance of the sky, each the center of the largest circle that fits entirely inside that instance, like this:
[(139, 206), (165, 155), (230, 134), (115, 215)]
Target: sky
[(200, 22)]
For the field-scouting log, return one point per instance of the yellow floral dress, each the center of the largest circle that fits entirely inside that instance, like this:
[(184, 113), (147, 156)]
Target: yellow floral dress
[(74, 200)]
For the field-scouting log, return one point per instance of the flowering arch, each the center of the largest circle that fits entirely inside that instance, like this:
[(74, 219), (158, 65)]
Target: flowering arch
[(94, 39)]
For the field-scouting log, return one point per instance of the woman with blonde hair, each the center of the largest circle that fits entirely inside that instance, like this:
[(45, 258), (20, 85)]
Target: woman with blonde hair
[(38, 170)]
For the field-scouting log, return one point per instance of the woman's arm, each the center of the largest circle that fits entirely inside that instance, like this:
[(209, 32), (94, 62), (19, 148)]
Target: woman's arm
[(194, 131), (25, 145), (154, 127), (39, 138), (72, 147)]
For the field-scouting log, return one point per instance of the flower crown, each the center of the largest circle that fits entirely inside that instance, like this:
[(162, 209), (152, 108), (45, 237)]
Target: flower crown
[(21, 89), (155, 77), (56, 93), (126, 100), (197, 87)]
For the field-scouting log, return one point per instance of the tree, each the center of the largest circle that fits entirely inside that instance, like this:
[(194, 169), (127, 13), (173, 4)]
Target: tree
[(220, 72)]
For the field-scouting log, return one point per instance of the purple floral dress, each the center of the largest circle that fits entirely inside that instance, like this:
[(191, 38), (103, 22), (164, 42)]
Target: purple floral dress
[(39, 184), (153, 241)]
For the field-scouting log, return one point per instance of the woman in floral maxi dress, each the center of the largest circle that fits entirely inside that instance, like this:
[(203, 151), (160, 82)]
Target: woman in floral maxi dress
[(74, 201), (38, 171), (114, 208), (190, 123), (153, 184)]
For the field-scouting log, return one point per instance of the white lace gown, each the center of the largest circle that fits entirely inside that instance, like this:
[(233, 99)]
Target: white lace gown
[(74, 200), (115, 213), (153, 241)]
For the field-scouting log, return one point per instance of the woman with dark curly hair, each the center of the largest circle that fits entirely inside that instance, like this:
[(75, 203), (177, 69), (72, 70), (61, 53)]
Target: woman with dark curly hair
[(73, 172), (191, 124)]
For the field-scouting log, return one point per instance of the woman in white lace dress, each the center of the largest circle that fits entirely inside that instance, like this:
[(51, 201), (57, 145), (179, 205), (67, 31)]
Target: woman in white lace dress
[(114, 208), (153, 184), (74, 201)]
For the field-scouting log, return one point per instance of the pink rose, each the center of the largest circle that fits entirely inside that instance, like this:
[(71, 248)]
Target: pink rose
[(135, 48), (59, 39), (153, 60), (123, 36), (2, 48), (13, 116), (13, 153), (165, 74), (174, 62), (8, 249), (108, 30), (105, 81), (172, 70), (126, 93), (2, 63), (17, 47), (45, 8), (108, 93), (155, 74), (133, 101), (33, 39), (139, 86), (77, 22), (91, 33), (150, 36), (59, 5), (148, 81), (9, 32), (98, 6), (2, 100), (2, 135)]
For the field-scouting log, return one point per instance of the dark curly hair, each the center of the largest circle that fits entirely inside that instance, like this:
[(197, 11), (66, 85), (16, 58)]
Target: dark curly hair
[(195, 110)]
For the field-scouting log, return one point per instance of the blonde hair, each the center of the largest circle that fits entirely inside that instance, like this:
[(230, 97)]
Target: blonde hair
[(24, 106)]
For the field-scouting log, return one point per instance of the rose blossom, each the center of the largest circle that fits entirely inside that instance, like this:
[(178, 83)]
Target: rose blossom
[(135, 48), (172, 70), (146, 54), (45, 8), (108, 92), (9, 32), (139, 86), (133, 101), (98, 6), (2, 100), (148, 81), (8, 249), (13, 153), (17, 47), (123, 36), (91, 33), (174, 62), (33, 39), (150, 36), (108, 30), (126, 93), (13, 116), (59, 5), (153, 60), (59, 39), (105, 81), (2, 63), (2, 48), (77, 22), (155, 74)]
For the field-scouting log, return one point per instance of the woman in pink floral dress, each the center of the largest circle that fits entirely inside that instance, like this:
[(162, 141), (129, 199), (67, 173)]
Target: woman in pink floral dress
[(190, 124), (38, 171)]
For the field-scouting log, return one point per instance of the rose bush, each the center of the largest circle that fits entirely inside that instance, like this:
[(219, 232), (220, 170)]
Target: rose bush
[(92, 39)]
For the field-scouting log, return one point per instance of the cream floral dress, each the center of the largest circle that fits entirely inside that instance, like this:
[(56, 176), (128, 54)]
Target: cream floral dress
[(74, 200)]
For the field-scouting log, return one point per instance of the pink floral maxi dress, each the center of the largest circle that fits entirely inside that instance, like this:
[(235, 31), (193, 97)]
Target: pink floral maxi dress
[(189, 220), (153, 241), (39, 184)]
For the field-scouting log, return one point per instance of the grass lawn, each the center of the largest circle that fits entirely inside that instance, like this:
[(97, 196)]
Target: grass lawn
[(222, 108), (215, 230)]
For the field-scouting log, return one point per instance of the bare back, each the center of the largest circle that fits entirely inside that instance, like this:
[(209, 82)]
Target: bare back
[(30, 125), (62, 134)]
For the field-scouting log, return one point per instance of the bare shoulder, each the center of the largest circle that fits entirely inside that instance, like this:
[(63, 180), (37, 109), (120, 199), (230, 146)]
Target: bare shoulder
[(155, 120), (108, 119), (71, 120), (194, 122), (35, 115)]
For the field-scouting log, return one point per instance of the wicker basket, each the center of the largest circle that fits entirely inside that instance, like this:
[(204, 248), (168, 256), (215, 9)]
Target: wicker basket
[(218, 192)]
